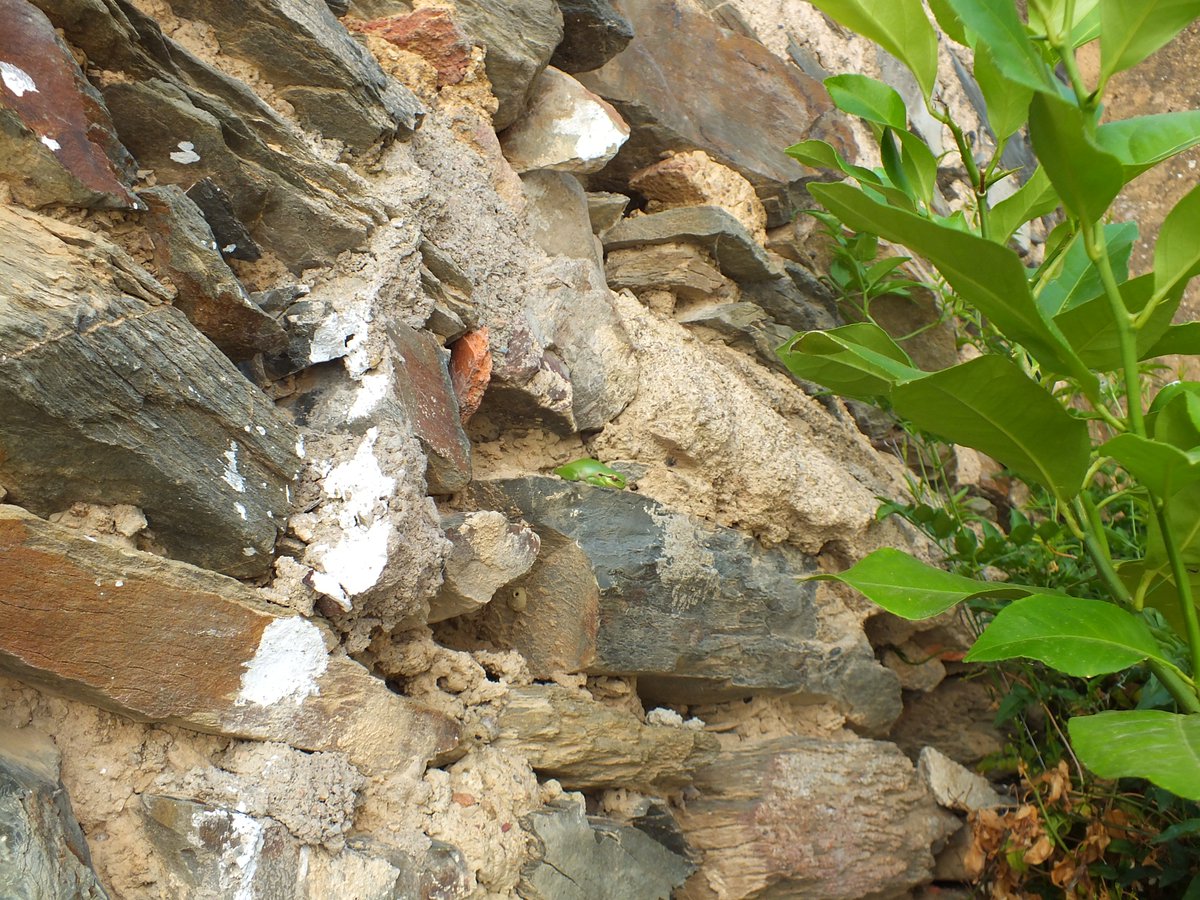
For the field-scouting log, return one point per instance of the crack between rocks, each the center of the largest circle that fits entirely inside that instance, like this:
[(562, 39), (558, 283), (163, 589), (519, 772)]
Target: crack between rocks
[(68, 332)]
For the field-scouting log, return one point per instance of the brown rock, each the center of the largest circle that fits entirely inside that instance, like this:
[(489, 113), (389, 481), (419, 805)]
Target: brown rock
[(207, 291), (431, 33), (57, 143), (586, 745), (530, 385), (695, 179), (956, 717), (798, 817), (470, 370), (162, 641), (487, 552), (742, 104), (683, 269)]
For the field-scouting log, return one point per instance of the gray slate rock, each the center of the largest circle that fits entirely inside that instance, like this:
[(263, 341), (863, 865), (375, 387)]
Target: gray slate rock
[(520, 39), (334, 84), (233, 238), (592, 858), (698, 612), (109, 395), (732, 246), (43, 853), (593, 33)]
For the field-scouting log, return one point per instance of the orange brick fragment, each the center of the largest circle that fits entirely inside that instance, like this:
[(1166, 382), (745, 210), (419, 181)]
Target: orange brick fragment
[(470, 370)]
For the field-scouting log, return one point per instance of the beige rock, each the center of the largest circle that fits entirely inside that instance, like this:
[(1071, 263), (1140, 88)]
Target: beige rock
[(954, 786), (489, 552), (586, 745), (915, 666), (566, 128), (684, 269), (695, 179)]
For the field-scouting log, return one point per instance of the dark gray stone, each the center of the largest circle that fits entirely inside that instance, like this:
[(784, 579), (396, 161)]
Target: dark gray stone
[(520, 39), (798, 300), (232, 237), (735, 250), (334, 84), (699, 612), (593, 33), (43, 853), (207, 291), (109, 395), (741, 104), (592, 858)]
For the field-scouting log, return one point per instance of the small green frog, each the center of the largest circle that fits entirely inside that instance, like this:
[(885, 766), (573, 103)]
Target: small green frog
[(591, 471)]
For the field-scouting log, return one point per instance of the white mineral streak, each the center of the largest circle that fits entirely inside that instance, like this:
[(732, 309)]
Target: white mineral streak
[(291, 656), (186, 154), (372, 388), (239, 857), (50, 142), (596, 134), (231, 476), (17, 79)]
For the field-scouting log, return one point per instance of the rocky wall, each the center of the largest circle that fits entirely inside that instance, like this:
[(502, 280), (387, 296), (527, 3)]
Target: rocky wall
[(301, 306)]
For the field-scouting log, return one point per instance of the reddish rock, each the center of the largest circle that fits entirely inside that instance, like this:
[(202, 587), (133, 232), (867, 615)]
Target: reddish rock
[(470, 370), (430, 33), (57, 144)]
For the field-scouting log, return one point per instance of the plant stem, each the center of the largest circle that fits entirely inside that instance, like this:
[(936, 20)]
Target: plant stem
[(1097, 251), (1183, 587)]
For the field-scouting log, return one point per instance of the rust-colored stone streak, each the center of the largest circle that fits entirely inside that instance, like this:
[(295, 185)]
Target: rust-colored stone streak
[(430, 33), (470, 370)]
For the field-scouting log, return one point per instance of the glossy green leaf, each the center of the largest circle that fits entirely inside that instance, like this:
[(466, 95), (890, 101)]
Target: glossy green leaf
[(1036, 197), (1087, 178), (1007, 101), (1161, 747), (1133, 29), (1090, 329), (898, 26), (983, 273), (821, 155), (1079, 637), (919, 165), (1161, 594), (1078, 279), (996, 25), (991, 405), (1177, 250), (868, 99), (859, 361), (1144, 141), (1174, 415), (1085, 24), (913, 589), (1178, 340), (948, 20), (1161, 467)]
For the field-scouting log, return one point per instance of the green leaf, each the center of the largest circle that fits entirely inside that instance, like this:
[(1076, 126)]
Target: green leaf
[(919, 165), (1036, 197), (1090, 329), (820, 155), (859, 361), (1006, 101), (1087, 178), (1174, 415), (985, 274), (1177, 250), (898, 26), (989, 404), (868, 99), (1161, 594), (1161, 467), (996, 26), (1086, 18), (1078, 279), (1130, 30), (948, 19), (1144, 141), (1162, 747), (913, 589), (1178, 340), (1079, 637)]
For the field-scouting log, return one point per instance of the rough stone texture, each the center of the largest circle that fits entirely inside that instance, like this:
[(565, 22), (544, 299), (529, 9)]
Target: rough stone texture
[(796, 299), (734, 248), (108, 395), (742, 105), (956, 718), (694, 179), (566, 128), (487, 553), (233, 240), (590, 858), (684, 269), (520, 38), (432, 34), (699, 612), (558, 216), (77, 607), (57, 144), (43, 852), (954, 786), (593, 33), (335, 86), (587, 746), (798, 817), (605, 210), (207, 292), (470, 371)]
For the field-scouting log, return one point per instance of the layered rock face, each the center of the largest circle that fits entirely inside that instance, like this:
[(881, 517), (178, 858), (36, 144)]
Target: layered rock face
[(301, 306)]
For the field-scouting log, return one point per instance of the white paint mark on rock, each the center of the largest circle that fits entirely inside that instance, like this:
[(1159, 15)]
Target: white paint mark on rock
[(241, 510), (359, 558), (372, 388), (597, 136), (17, 79), (186, 154), (231, 476), (291, 657), (50, 142), (240, 853)]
